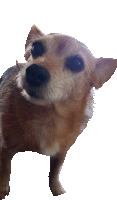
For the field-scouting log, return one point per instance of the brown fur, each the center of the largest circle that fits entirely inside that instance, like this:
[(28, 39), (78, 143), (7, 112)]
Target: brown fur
[(51, 124)]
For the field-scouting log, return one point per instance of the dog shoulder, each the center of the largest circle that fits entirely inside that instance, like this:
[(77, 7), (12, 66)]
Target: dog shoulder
[(9, 73), (8, 84)]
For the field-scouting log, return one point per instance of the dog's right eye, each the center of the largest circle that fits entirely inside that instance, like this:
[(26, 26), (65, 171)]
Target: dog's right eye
[(37, 49)]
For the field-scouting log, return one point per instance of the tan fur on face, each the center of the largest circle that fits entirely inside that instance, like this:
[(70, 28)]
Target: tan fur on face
[(63, 83)]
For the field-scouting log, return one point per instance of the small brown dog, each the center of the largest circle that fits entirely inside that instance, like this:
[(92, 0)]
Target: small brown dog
[(46, 102)]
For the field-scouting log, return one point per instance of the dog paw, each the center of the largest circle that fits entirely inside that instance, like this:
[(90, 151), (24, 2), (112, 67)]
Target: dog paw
[(4, 191), (56, 188)]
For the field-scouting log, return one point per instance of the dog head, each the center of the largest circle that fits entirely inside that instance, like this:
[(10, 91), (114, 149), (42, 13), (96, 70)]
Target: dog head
[(59, 68)]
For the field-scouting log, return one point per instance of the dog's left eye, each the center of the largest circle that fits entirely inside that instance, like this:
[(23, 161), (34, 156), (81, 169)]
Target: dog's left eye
[(75, 63), (37, 49)]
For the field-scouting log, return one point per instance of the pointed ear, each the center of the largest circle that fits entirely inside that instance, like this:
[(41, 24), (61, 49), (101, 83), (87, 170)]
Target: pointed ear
[(105, 68), (33, 34)]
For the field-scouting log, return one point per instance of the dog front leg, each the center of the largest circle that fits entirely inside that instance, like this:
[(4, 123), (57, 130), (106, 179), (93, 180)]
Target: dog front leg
[(5, 170), (55, 166)]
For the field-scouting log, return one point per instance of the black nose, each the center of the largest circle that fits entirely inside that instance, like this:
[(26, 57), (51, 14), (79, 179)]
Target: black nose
[(37, 75)]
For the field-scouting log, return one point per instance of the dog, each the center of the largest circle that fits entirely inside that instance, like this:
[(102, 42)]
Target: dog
[(47, 102)]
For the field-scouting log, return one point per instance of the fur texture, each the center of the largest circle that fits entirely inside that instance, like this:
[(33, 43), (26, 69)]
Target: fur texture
[(49, 120)]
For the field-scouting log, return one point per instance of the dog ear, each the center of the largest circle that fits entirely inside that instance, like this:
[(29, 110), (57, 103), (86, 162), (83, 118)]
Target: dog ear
[(33, 34), (105, 68)]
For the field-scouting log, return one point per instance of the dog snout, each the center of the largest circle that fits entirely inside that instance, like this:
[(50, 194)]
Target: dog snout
[(37, 75)]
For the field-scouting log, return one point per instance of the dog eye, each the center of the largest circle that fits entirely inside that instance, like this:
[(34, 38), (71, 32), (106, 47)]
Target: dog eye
[(37, 49), (75, 63)]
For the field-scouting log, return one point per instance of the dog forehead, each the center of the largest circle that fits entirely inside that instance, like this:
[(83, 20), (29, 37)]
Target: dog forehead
[(62, 45), (61, 41)]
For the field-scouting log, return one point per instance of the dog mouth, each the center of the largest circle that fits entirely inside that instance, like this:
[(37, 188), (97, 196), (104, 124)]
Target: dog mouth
[(32, 94)]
